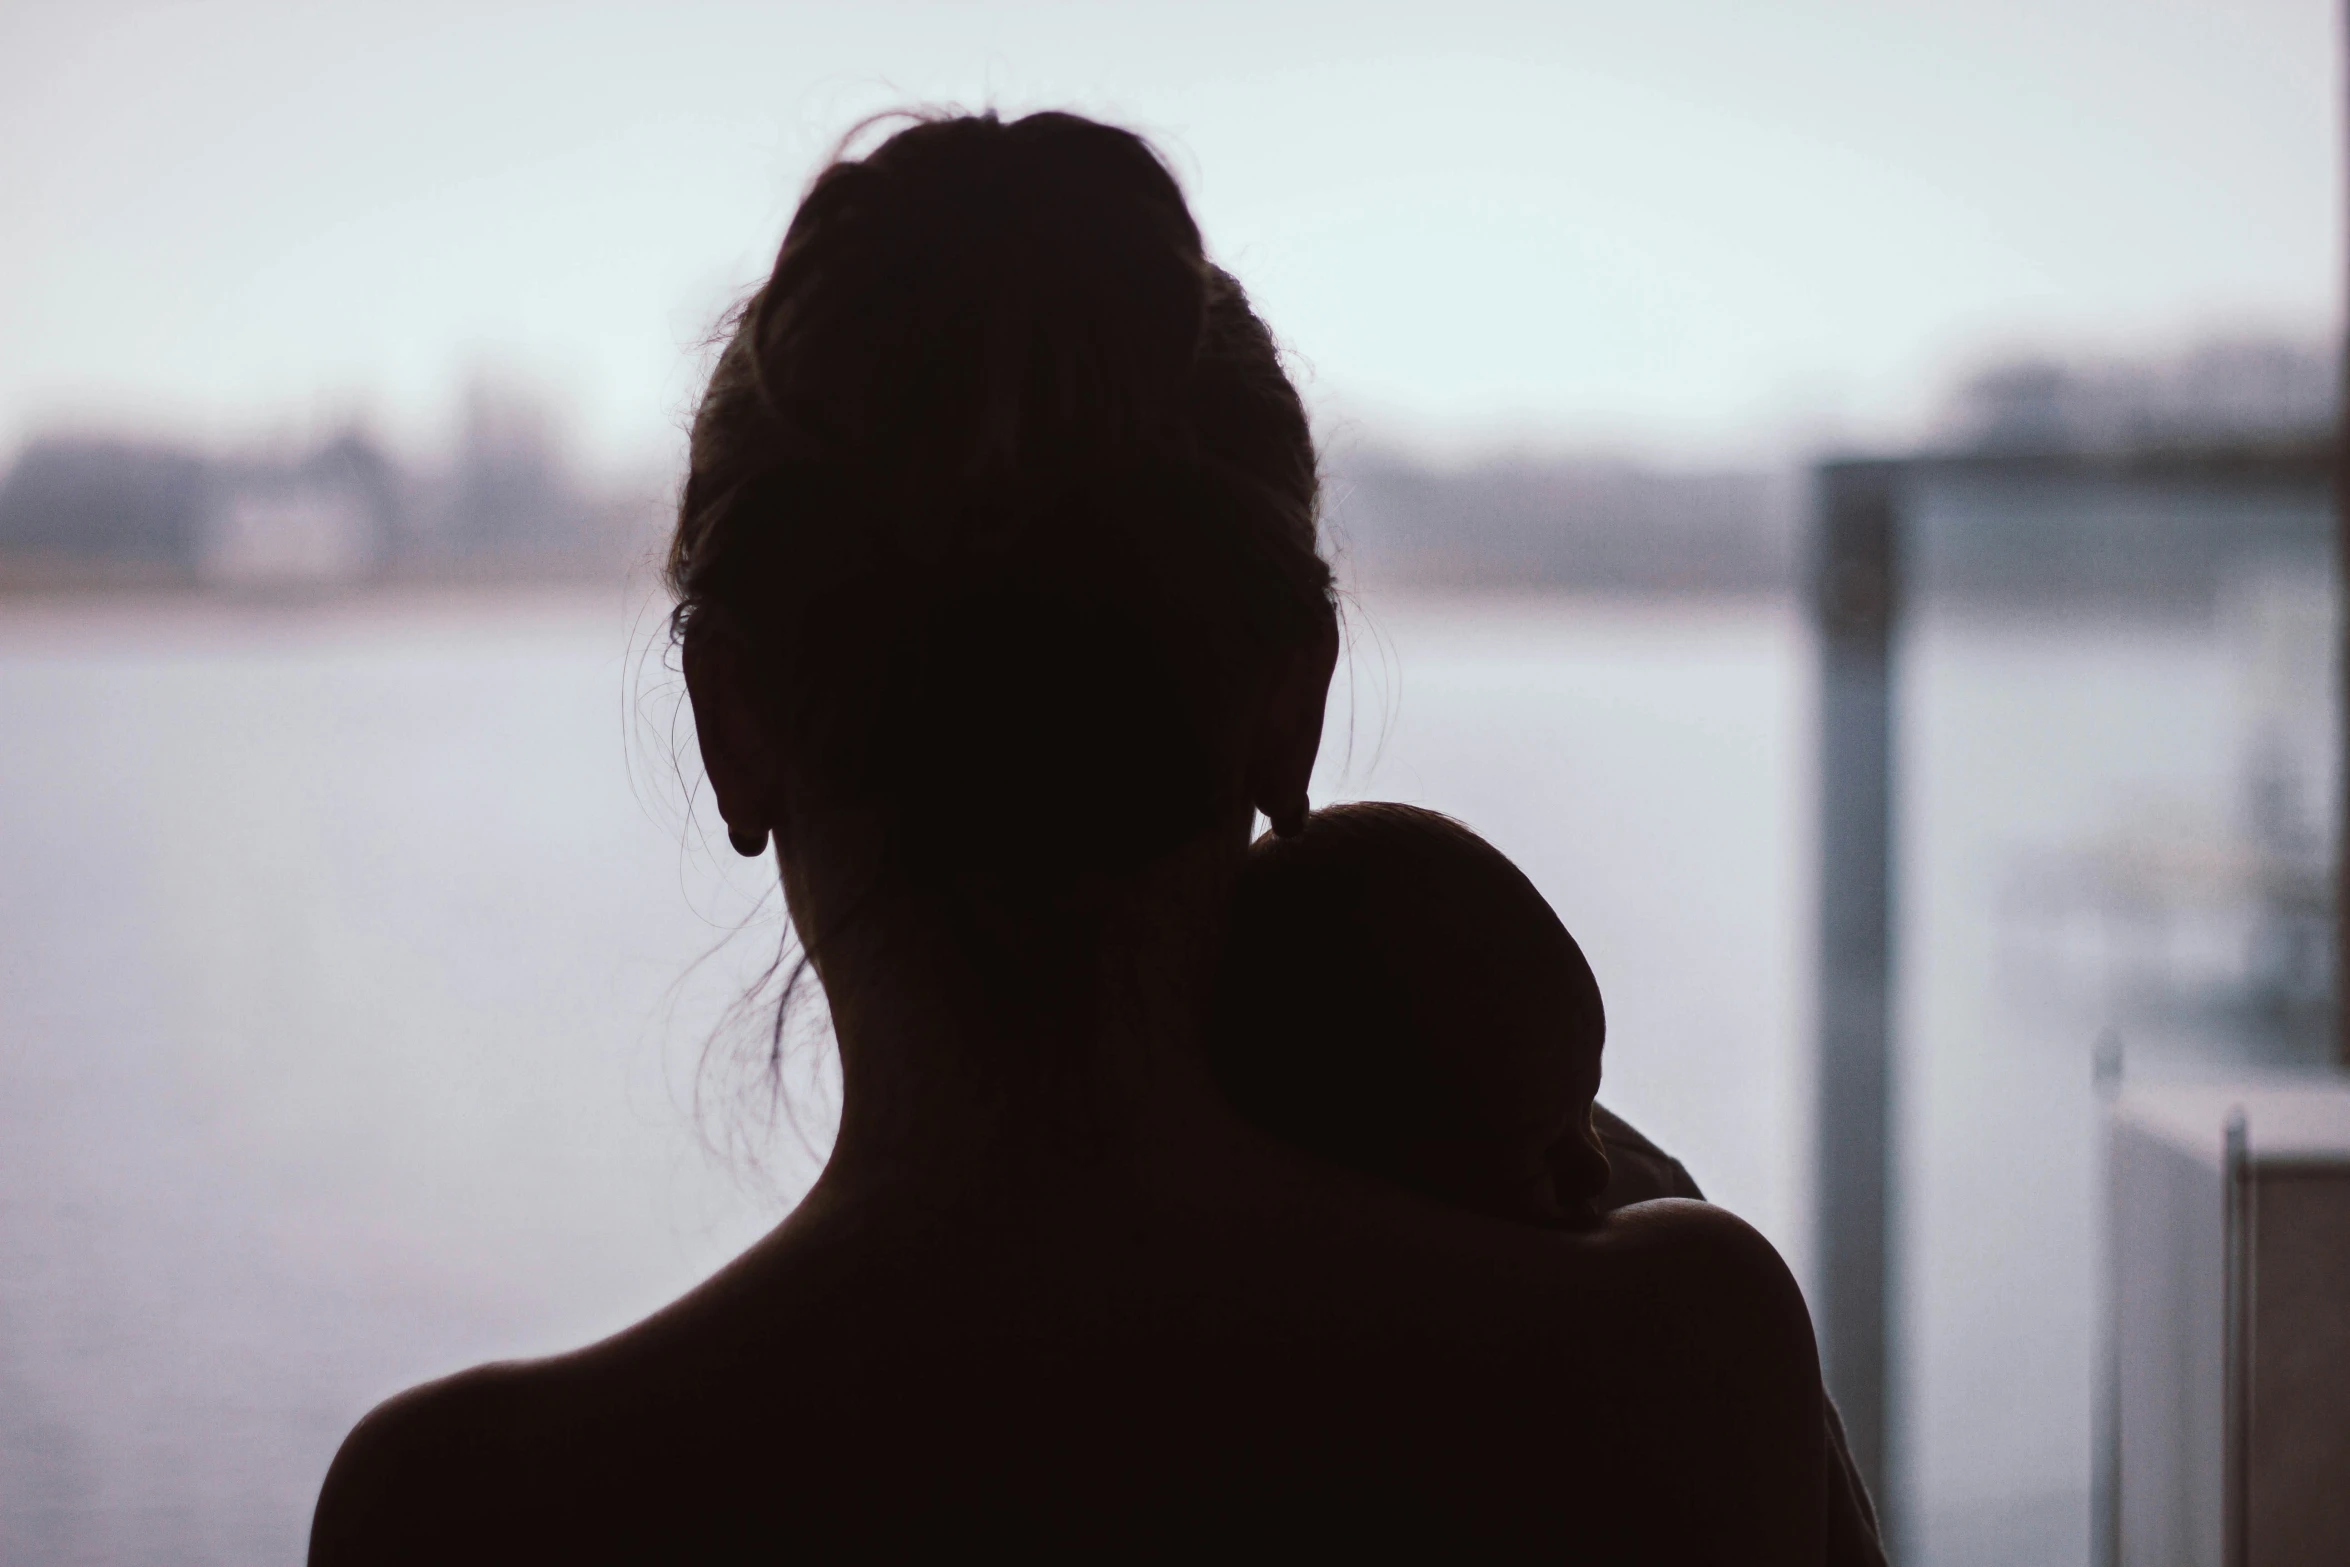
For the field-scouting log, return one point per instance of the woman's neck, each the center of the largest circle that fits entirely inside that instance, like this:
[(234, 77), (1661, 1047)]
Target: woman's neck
[(1067, 1048)]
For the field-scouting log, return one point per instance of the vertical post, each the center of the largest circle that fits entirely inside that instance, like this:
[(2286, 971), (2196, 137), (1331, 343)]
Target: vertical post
[(1856, 594), (2236, 1336), (2342, 585), (2105, 1438)]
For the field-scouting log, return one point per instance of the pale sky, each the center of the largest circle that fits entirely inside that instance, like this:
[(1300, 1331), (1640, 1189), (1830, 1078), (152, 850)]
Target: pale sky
[(1696, 229)]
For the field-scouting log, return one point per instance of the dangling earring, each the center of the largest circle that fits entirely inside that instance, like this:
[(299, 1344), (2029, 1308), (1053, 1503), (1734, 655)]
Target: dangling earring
[(749, 842)]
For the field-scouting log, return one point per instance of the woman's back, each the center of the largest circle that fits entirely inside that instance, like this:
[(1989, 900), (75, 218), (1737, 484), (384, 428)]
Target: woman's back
[(1080, 1368)]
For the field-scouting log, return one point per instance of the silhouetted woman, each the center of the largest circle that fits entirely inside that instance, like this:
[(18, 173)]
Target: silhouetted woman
[(1001, 613)]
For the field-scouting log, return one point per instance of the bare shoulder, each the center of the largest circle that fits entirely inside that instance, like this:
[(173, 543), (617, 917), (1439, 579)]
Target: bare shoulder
[(1701, 1243), (1744, 1343), (1661, 1368), (428, 1474), (1727, 1286)]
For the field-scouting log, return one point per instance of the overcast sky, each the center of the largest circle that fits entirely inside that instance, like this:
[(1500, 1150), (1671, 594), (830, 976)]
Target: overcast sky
[(1698, 230)]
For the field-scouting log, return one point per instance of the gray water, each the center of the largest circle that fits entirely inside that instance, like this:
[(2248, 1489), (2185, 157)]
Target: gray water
[(351, 1004)]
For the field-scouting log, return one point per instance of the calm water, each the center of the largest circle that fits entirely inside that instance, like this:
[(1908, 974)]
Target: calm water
[(350, 1005)]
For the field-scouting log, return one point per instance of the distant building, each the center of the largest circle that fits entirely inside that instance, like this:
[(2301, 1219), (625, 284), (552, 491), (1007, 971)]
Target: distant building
[(328, 519)]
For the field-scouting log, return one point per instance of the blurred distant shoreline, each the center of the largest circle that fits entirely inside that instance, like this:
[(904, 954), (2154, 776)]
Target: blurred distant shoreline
[(111, 514)]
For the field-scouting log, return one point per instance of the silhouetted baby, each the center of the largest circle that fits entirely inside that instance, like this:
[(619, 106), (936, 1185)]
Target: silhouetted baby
[(1396, 997)]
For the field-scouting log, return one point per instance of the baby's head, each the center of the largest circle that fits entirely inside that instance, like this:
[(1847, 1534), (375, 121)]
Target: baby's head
[(1395, 996)]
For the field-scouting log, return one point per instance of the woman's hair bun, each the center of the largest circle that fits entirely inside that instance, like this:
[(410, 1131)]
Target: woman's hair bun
[(1024, 303)]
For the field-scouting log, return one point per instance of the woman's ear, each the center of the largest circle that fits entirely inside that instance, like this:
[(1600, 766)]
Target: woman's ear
[(1289, 732), (737, 743)]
